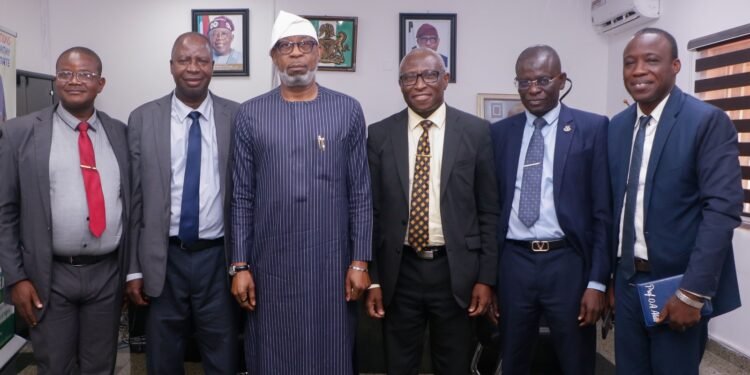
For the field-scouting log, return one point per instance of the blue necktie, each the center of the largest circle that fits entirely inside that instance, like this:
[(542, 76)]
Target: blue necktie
[(531, 183), (191, 186), (627, 261)]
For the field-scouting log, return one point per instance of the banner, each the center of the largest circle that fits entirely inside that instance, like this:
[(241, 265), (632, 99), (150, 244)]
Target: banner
[(7, 74)]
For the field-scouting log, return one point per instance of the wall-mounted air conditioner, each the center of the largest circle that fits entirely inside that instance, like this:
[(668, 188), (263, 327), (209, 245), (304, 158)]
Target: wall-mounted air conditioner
[(616, 16)]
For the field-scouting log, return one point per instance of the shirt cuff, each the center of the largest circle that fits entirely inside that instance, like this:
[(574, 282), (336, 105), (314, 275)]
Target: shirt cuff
[(133, 276), (373, 286), (597, 286), (706, 298)]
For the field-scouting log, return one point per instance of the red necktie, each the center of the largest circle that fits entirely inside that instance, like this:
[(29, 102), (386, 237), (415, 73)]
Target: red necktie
[(91, 181)]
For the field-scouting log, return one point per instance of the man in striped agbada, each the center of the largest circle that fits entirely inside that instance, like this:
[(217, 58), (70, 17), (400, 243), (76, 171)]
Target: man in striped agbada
[(301, 215)]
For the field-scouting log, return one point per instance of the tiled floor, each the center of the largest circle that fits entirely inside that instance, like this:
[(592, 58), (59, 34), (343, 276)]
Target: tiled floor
[(714, 362)]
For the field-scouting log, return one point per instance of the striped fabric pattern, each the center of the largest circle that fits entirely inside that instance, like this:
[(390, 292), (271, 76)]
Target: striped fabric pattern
[(301, 212)]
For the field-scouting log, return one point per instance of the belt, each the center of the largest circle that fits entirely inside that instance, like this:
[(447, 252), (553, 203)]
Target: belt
[(431, 252), (540, 246), (642, 265), (197, 245), (83, 260)]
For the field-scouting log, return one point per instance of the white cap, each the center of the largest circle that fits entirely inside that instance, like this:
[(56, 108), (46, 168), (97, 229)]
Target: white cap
[(288, 24)]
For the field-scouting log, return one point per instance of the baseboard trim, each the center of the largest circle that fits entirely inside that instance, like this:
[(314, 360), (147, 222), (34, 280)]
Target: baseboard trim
[(728, 354)]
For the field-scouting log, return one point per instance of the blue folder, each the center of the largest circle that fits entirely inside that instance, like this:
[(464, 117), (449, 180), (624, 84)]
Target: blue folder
[(655, 294)]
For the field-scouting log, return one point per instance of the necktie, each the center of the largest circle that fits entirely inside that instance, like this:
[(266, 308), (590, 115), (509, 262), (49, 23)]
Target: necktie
[(627, 261), (419, 234), (91, 182), (191, 187), (531, 182)]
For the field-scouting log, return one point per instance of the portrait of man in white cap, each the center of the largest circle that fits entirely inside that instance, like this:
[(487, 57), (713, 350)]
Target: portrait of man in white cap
[(301, 213)]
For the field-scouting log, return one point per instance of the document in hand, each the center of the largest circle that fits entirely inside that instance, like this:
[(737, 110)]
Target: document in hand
[(655, 294)]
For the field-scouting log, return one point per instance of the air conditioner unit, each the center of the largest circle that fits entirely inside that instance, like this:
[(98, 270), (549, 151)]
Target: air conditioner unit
[(616, 16)]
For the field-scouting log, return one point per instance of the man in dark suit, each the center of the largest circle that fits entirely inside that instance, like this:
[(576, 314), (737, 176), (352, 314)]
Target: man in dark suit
[(677, 199), (434, 243), (179, 149), (64, 199), (553, 188)]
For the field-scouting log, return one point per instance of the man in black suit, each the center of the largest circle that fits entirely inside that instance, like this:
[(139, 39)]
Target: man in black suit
[(435, 208)]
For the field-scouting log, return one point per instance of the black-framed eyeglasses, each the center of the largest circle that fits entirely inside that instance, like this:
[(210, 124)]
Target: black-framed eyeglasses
[(428, 76), (525, 84), (305, 46), (83, 76)]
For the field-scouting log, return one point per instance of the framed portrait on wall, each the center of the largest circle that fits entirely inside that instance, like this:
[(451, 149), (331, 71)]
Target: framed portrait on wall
[(434, 31), (338, 41), (228, 31), (495, 107)]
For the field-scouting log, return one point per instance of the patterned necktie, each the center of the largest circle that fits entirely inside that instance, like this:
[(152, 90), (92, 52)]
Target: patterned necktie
[(191, 187), (531, 183), (627, 261), (420, 192), (91, 182)]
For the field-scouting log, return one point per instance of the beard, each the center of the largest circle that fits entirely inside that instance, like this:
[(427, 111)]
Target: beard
[(298, 80)]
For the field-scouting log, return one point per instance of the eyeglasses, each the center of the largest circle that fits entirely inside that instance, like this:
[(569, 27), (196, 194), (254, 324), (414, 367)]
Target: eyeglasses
[(428, 76), (525, 84), (425, 39), (67, 75), (305, 46)]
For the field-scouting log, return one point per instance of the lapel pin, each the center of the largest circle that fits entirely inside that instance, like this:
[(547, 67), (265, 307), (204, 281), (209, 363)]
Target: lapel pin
[(321, 143), (567, 128)]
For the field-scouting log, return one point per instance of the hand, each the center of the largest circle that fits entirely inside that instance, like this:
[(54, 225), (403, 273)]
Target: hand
[(24, 297), (356, 282), (481, 298), (374, 303), (680, 315), (592, 305), (134, 290), (493, 311), (243, 290)]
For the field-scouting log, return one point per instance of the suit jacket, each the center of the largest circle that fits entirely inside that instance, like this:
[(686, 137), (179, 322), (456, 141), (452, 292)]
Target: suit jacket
[(150, 163), (25, 211), (693, 195), (468, 204), (580, 183)]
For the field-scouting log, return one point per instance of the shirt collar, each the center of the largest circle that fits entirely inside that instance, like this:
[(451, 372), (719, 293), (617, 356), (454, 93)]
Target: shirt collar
[(551, 116), (655, 114), (437, 117), (182, 110), (73, 121)]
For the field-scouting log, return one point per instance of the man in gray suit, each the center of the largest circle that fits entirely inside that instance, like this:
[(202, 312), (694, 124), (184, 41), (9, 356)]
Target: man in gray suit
[(435, 208), (179, 146), (64, 197)]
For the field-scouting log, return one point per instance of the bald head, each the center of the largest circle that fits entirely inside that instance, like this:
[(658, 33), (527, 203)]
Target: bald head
[(192, 38), (540, 53), (421, 53), (80, 51)]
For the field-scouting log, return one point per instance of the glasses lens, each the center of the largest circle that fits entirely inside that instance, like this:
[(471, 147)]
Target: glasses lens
[(285, 47), (64, 75), (306, 46), (408, 79), (544, 81), (431, 76)]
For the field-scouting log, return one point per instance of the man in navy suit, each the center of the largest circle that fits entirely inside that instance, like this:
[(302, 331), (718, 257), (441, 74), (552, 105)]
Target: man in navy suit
[(555, 218), (676, 159)]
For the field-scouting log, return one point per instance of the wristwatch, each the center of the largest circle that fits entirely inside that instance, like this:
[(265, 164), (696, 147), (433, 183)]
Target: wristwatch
[(234, 269)]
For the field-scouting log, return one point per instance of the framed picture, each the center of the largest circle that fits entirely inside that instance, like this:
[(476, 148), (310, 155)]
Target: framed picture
[(338, 41), (495, 107), (434, 31), (227, 30)]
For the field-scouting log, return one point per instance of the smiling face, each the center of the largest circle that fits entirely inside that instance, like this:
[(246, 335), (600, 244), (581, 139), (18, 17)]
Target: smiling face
[(423, 98), (221, 40), (191, 68), (78, 96), (649, 70)]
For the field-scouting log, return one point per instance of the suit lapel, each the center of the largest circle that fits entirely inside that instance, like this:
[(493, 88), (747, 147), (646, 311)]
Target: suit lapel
[(162, 125), (664, 128), (566, 130), (42, 148), (222, 122), (621, 148), (515, 139), (119, 148), (451, 144), (400, 143)]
